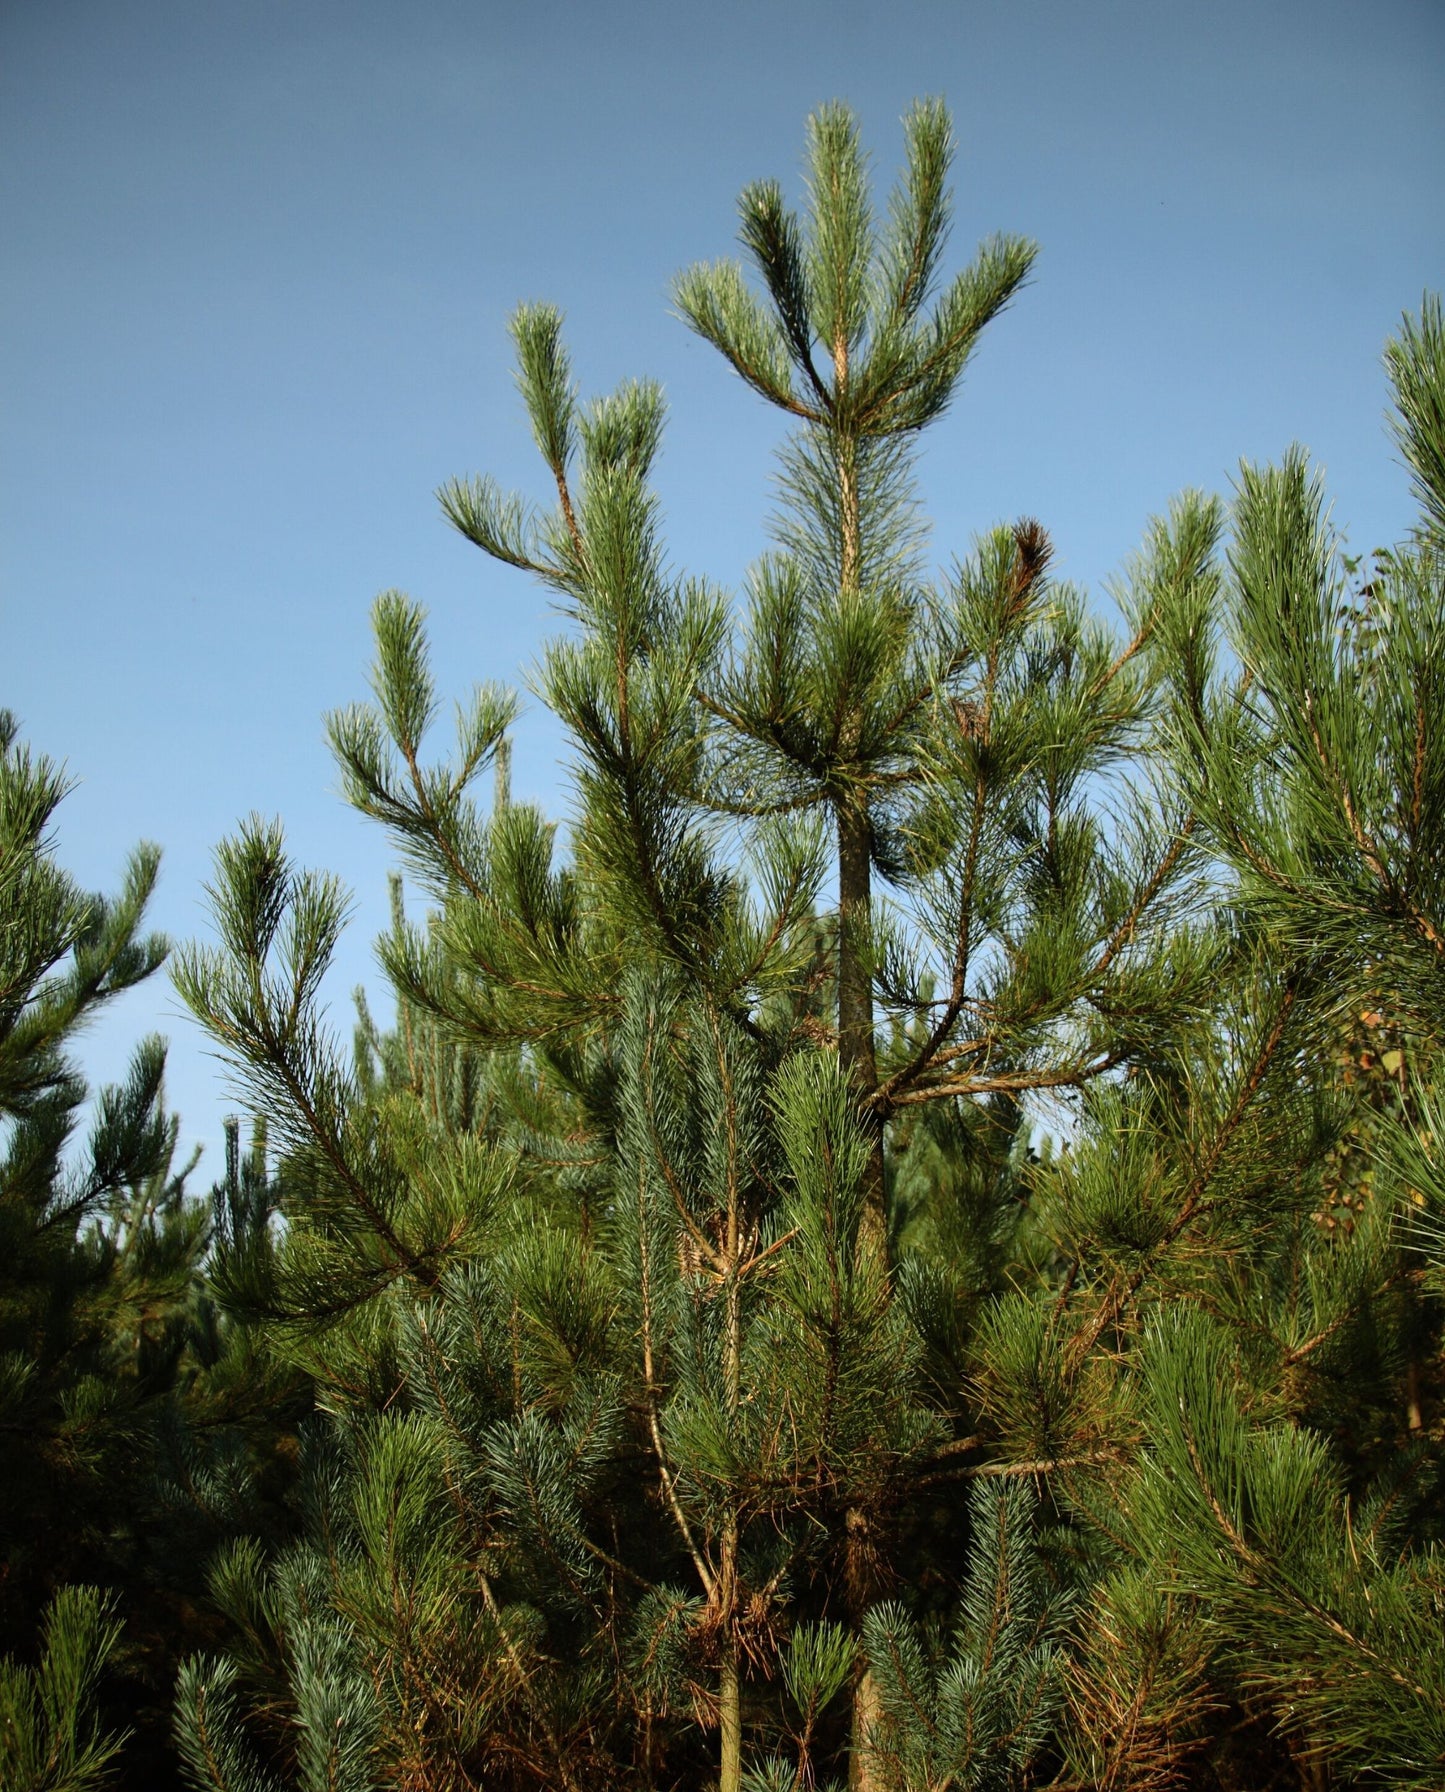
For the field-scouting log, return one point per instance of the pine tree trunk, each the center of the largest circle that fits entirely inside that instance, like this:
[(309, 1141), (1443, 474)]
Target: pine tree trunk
[(855, 1003), (730, 1709), (730, 1721), (729, 1691), (856, 1049), (863, 1774)]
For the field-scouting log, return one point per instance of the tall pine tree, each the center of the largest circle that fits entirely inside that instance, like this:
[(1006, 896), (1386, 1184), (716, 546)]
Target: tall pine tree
[(912, 1080)]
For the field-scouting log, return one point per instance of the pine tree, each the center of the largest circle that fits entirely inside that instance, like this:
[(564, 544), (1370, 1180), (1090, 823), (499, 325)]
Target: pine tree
[(99, 1249), (689, 1283), (1237, 1386), (139, 1427), (976, 1716), (1323, 778), (69, 1393), (653, 1017)]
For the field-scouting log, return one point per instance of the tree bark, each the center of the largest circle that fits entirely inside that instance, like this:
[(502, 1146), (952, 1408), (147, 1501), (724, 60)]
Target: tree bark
[(855, 1006), (730, 1705), (857, 1051), (729, 1687), (730, 1721), (863, 1775)]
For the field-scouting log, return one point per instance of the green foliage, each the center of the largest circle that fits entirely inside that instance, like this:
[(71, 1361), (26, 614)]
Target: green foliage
[(140, 1426), (49, 1738), (1315, 1603), (952, 1043), (1323, 772), (1416, 363), (974, 1713)]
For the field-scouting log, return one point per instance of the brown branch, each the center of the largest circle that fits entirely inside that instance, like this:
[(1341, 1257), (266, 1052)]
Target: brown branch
[(1194, 1195), (762, 1256), (965, 1048), (1266, 1574), (1368, 849), (524, 1679), (1140, 636), (784, 398), (611, 1561), (1273, 875), (886, 1097), (1045, 1465), (1125, 930), (649, 1384), (1071, 1276), (1310, 1345), (569, 516), (408, 1260), (429, 816), (957, 1446), (705, 1246), (1008, 1082)]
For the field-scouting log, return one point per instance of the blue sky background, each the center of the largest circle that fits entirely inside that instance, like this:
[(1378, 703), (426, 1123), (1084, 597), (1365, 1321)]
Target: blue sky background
[(257, 261)]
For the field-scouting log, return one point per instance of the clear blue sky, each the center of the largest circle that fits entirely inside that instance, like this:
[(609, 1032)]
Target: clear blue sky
[(258, 257)]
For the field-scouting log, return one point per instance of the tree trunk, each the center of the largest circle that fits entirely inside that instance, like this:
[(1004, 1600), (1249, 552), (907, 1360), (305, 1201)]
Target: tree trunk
[(855, 1005), (863, 1774), (856, 1049), (729, 1689), (730, 1721), (729, 1699)]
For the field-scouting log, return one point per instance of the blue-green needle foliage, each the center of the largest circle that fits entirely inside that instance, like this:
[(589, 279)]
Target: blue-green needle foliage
[(335, 1721), (976, 1711), (417, 1626)]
